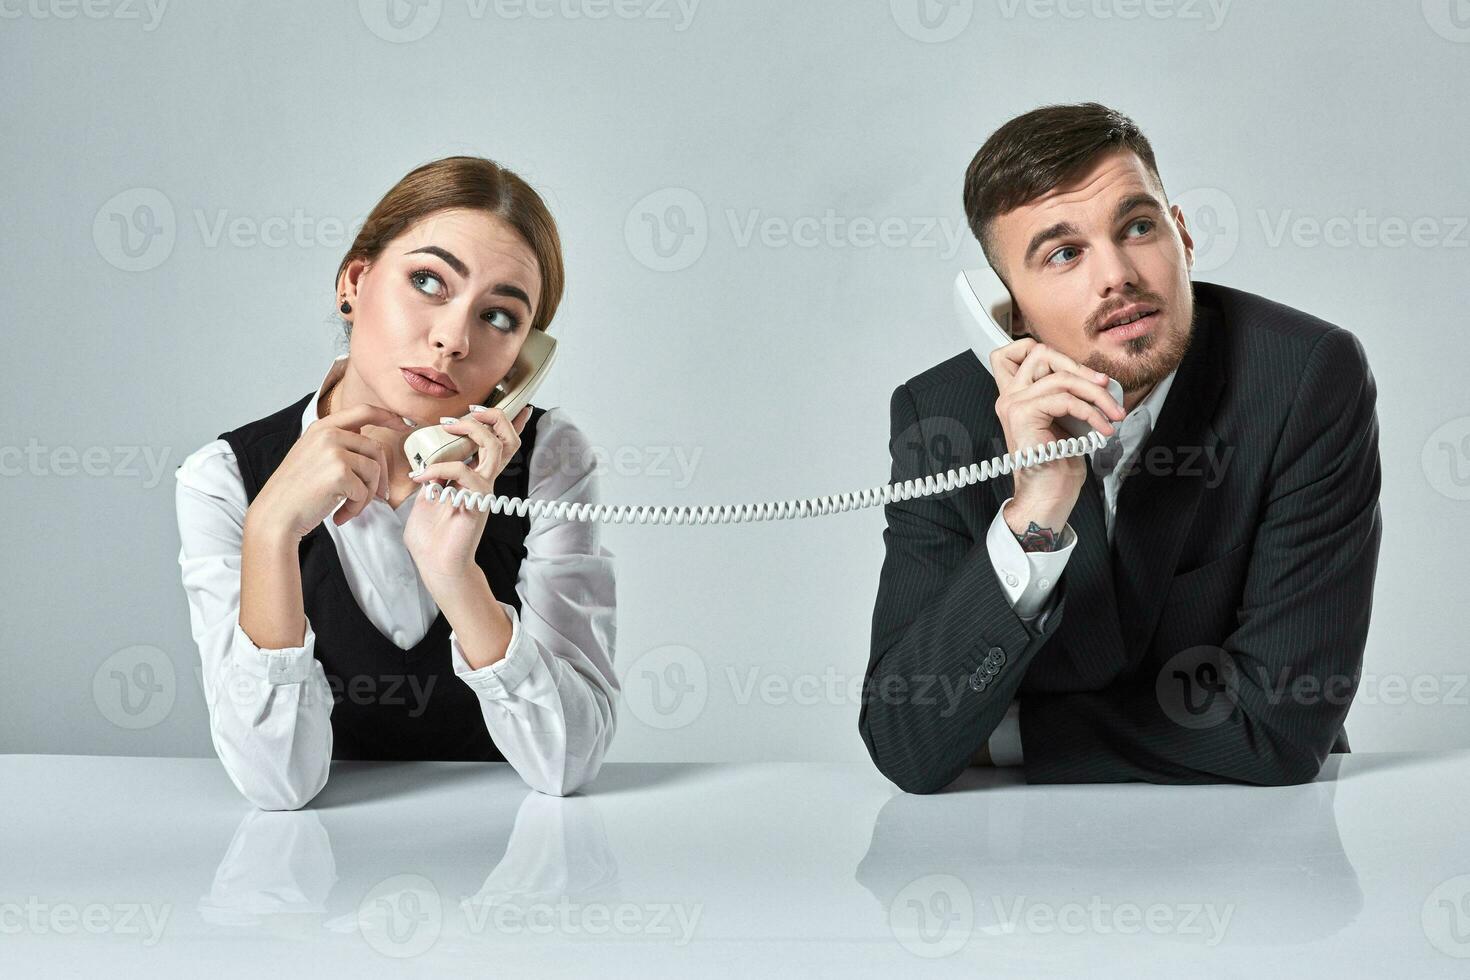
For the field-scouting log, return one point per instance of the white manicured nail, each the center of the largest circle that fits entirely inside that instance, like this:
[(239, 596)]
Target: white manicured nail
[(447, 419)]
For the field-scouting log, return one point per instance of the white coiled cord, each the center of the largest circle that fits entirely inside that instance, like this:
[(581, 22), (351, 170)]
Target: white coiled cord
[(774, 510)]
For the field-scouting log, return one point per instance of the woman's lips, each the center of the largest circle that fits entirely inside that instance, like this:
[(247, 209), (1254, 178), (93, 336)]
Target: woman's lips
[(424, 386)]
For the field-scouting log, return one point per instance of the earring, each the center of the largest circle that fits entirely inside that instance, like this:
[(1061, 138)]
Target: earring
[(346, 307)]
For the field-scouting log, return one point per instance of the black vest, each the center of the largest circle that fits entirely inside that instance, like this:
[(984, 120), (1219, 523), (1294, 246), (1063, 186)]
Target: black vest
[(390, 703)]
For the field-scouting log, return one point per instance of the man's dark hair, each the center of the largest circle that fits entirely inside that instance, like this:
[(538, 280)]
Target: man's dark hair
[(1038, 151)]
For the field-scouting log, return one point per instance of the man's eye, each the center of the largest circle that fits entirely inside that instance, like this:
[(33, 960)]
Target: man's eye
[(1060, 251), (1148, 222), (418, 275)]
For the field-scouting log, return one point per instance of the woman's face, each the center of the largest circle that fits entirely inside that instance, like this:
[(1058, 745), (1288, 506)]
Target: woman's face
[(453, 294)]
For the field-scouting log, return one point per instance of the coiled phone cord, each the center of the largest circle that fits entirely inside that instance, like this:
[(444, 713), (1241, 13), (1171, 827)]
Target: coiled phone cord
[(774, 510)]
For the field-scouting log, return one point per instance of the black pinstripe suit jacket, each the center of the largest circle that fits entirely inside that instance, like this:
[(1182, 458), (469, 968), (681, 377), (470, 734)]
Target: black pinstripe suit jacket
[(1220, 639)]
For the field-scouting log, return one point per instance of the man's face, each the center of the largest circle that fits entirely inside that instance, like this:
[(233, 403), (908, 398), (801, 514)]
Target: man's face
[(1085, 253)]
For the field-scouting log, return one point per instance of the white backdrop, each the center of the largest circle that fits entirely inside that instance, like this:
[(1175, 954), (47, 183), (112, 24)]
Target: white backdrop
[(760, 203)]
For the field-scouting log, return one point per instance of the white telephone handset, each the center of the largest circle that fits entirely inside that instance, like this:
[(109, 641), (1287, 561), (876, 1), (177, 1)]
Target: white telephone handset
[(984, 304), (984, 307), (434, 444)]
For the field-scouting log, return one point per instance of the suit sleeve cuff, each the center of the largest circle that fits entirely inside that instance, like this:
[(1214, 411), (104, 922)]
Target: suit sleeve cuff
[(1026, 577), (498, 680)]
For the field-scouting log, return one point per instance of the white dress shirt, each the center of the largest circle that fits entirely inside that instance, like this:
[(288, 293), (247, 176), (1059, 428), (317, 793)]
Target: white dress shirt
[(1028, 578), (549, 705)]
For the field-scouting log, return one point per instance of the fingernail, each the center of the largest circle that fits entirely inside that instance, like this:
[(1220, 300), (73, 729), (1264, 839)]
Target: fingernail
[(447, 419), (478, 408), (408, 421), (414, 473)]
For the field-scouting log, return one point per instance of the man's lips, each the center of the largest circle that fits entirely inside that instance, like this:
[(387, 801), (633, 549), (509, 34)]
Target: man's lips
[(1126, 314)]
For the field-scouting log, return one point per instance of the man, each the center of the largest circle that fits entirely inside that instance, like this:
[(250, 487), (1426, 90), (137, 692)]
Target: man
[(1190, 603)]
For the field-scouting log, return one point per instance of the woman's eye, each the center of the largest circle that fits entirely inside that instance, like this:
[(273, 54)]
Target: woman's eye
[(419, 275), (1060, 251), (503, 321)]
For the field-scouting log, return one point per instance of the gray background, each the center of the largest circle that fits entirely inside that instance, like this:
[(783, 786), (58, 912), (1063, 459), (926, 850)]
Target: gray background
[(766, 359)]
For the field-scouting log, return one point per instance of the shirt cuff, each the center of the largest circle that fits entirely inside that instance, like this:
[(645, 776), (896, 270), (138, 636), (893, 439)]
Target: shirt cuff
[(1005, 741), (1027, 577), (289, 665), (497, 680)]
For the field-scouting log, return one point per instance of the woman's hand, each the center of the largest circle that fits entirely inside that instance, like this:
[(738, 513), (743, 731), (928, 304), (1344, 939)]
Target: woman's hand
[(332, 461), (442, 538)]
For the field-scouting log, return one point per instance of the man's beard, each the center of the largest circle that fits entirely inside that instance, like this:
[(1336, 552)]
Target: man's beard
[(1145, 360)]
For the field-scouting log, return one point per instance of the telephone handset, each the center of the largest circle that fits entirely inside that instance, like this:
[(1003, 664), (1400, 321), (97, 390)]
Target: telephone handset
[(984, 307), (435, 444)]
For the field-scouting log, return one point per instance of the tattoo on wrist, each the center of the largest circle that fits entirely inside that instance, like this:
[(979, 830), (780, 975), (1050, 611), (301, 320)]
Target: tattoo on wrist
[(1037, 538)]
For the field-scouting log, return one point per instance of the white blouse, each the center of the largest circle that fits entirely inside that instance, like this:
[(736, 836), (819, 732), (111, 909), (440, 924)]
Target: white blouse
[(549, 705)]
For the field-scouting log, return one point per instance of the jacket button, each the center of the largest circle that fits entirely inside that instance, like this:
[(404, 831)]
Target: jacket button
[(978, 681), (995, 656)]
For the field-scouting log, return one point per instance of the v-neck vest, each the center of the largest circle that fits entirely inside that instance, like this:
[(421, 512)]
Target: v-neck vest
[(390, 703)]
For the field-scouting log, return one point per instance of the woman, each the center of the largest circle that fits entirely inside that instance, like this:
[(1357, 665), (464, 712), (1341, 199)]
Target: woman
[(403, 628)]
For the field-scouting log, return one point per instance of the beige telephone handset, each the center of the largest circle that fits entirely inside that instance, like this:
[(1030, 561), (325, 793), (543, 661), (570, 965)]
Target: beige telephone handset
[(434, 444), (984, 306)]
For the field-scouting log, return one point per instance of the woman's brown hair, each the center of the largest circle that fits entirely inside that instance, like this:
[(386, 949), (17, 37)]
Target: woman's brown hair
[(472, 183)]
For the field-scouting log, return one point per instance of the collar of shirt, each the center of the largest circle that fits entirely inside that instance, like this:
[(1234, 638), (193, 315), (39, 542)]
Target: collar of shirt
[(1130, 434), (334, 373)]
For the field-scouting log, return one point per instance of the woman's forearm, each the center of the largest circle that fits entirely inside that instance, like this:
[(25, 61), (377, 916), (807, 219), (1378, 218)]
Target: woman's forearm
[(272, 612), (479, 622)]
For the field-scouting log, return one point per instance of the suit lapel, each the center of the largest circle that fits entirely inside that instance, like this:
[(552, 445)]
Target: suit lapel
[(1157, 502)]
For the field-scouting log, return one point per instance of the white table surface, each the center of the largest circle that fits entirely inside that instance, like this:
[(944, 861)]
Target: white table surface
[(118, 866)]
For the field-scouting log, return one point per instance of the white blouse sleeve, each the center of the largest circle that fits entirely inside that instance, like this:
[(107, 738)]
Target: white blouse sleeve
[(269, 710), (550, 704)]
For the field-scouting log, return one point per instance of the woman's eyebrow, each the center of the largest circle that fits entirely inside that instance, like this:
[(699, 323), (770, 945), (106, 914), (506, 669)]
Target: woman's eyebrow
[(449, 257), (452, 260)]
